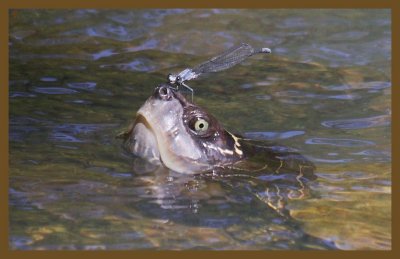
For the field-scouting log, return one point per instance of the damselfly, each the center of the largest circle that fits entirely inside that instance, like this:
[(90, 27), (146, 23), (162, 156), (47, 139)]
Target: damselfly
[(226, 60)]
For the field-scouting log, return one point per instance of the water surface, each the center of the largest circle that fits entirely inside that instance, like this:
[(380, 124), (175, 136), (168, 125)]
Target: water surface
[(77, 78)]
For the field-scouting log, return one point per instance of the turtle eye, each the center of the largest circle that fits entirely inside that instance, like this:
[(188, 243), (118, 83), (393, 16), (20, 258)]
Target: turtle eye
[(199, 126)]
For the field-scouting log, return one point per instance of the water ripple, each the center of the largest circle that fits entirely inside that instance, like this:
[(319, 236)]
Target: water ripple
[(373, 85), (339, 142), (140, 64), (20, 35), (103, 54), (19, 199), (69, 132), (360, 123), (334, 52), (77, 67), (263, 97), (349, 35), (149, 44), (115, 32), (89, 86), (293, 22), (21, 127), (346, 176), (377, 189), (79, 101), (359, 175), (21, 94), (58, 41), (330, 161), (273, 135), (374, 155), (35, 56), (370, 152), (81, 128), (246, 86), (54, 90), (48, 79), (299, 94), (63, 137), (20, 132)]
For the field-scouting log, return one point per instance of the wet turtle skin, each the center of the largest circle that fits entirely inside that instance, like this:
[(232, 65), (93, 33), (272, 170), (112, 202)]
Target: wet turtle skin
[(184, 137)]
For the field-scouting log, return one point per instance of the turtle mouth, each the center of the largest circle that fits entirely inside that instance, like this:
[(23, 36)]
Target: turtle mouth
[(145, 140), (140, 118), (149, 122)]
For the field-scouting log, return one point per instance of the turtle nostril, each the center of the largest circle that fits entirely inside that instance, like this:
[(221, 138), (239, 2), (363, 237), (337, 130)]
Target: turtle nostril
[(164, 93)]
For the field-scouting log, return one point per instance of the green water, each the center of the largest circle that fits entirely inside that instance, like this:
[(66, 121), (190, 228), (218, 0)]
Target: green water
[(77, 78)]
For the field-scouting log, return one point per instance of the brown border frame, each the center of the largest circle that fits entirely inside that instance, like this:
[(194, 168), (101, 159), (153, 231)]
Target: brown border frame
[(5, 5)]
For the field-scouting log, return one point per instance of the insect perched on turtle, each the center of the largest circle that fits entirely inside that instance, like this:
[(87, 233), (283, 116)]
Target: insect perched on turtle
[(175, 132)]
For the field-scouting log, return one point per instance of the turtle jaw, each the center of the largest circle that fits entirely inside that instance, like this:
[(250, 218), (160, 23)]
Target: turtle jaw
[(161, 131), (144, 140)]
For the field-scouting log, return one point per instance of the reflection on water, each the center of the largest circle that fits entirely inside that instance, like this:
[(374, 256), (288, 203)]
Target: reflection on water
[(78, 76)]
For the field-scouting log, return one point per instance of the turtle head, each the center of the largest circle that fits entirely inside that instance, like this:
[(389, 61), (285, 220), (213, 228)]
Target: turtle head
[(183, 136)]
